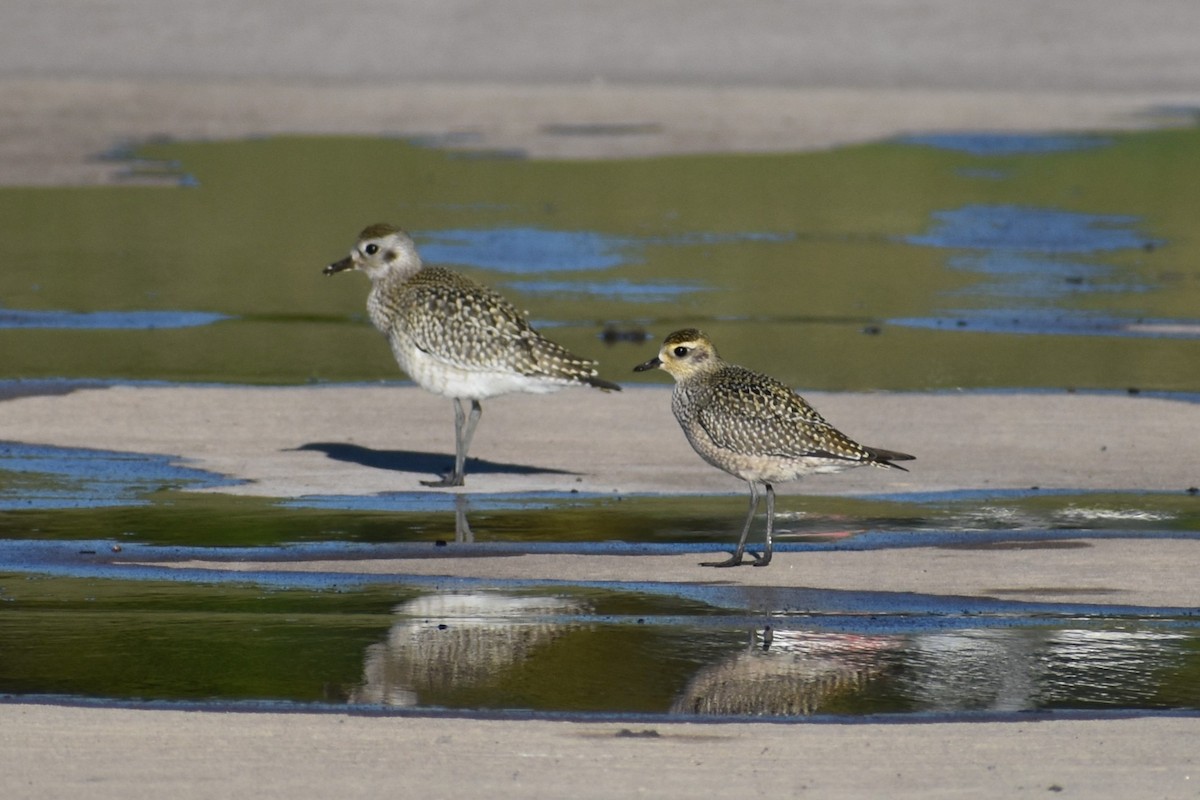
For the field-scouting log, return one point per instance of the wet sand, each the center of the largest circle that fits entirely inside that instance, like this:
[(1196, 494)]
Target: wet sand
[(131, 754), (700, 76), (1070, 571), (58, 128), (291, 442), (362, 440), (792, 76)]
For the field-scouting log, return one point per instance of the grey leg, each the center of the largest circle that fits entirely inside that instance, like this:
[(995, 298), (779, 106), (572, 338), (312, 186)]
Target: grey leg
[(462, 529), (736, 558), (462, 440), (768, 636), (472, 421), (768, 546)]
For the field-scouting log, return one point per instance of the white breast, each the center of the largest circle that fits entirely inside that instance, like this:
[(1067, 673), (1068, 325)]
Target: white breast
[(437, 376)]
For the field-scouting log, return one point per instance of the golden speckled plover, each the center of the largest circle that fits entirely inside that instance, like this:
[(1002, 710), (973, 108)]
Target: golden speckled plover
[(455, 337), (752, 426)]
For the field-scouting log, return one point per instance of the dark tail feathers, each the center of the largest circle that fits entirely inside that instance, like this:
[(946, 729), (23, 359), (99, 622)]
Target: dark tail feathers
[(884, 458), (607, 386)]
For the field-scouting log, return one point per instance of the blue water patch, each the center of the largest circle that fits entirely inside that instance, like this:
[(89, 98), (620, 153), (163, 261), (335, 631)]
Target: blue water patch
[(1006, 144), (627, 291), (981, 174), (537, 250), (107, 320), (1030, 277), (439, 501), (1051, 321), (1029, 229), (42, 476), (1037, 256), (522, 250), (1019, 264)]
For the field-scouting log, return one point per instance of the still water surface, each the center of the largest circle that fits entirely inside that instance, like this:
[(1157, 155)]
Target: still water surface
[(647, 650), (929, 263), (932, 263)]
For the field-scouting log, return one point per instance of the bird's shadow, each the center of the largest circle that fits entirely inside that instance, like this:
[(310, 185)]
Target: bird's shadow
[(416, 461)]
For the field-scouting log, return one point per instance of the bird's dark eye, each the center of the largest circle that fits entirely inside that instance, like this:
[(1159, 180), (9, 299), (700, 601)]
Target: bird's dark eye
[(371, 249), (680, 351)]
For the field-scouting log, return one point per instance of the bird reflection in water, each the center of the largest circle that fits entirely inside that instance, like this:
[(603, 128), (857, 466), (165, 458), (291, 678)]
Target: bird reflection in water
[(787, 673), (455, 641)]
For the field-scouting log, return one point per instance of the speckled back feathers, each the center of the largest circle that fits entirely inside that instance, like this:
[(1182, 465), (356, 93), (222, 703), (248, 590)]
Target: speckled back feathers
[(749, 423), (452, 335), (471, 326), (750, 413)]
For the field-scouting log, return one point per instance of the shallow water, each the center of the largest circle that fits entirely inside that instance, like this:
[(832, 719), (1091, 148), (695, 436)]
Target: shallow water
[(80, 619), (649, 650), (923, 263), (49, 493), (927, 263)]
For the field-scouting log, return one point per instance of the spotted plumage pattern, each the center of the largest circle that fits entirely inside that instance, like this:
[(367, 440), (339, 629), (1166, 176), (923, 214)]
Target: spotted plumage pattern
[(456, 337), (747, 413), (471, 327), (750, 424), (753, 426)]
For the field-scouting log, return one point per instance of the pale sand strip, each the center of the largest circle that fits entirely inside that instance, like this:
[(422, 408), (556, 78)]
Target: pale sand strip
[(64, 752), (51, 130), (1126, 572), (278, 440)]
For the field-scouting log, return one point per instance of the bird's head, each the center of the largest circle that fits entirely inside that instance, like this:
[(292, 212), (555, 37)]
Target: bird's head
[(684, 353), (381, 249)]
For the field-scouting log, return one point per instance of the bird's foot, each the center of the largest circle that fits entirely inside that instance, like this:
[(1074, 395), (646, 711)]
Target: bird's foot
[(733, 561), (446, 482)]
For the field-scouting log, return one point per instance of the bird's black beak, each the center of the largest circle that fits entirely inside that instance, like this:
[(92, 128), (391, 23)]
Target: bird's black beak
[(339, 266), (651, 364)]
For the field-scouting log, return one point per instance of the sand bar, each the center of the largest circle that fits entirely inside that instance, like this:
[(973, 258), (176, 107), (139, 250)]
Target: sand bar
[(117, 753), (626, 80), (579, 80), (290, 442)]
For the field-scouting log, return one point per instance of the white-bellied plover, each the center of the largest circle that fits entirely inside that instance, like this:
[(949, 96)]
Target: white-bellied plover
[(752, 426), (455, 337)]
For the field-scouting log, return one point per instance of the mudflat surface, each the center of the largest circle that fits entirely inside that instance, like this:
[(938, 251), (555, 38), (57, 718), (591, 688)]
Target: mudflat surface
[(50, 751), (593, 81), (354, 440), (579, 80), (290, 442)]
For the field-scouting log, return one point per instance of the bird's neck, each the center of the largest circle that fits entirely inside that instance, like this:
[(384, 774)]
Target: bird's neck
[(702, 369), (384, 295), (395, 275)]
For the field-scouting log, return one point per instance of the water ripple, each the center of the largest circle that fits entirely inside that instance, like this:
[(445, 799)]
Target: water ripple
[(107, 320)]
